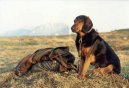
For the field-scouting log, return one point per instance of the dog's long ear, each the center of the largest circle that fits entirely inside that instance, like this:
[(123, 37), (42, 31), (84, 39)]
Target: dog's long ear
[(87, 24)]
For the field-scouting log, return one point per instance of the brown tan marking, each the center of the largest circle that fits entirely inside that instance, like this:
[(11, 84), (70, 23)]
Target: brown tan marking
[(104, 70), (87, 61)]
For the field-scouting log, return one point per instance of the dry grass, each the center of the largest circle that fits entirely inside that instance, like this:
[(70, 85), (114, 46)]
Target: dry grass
[(13, 49)]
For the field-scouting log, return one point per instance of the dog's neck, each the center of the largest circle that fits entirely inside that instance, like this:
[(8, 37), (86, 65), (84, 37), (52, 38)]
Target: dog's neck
[(81, 34)]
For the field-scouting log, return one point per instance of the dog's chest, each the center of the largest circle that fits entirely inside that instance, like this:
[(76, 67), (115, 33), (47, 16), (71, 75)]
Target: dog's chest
[(83, 46), (85, 50)]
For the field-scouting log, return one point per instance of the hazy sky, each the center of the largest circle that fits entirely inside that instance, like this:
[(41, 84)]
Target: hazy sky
[(106, 15)]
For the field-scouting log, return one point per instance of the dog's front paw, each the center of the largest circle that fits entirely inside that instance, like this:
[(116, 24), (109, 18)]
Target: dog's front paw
[(81, 76)]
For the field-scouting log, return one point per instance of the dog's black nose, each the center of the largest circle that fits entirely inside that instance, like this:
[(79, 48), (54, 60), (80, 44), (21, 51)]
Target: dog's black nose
[(72, 27)]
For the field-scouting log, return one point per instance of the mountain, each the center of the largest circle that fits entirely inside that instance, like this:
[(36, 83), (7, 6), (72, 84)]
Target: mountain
[(42, 30), (122, 30)]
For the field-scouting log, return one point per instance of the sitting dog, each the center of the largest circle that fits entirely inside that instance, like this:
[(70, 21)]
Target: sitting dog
[(93, 49)]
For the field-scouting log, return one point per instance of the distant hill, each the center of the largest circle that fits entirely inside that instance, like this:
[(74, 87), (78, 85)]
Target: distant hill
[(48, 29), (122, 30), (42, 30)]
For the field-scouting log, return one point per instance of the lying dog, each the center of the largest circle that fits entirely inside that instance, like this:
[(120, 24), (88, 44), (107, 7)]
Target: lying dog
[(93, 49), (44, 58)]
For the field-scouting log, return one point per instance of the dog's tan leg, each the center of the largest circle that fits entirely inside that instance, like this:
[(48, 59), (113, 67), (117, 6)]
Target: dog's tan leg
[(86, 65), (81, 62), (104, 70), (108, 69), (84, 68)]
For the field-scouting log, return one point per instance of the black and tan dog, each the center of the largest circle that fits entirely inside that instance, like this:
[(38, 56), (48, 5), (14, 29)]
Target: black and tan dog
[(93, 49)]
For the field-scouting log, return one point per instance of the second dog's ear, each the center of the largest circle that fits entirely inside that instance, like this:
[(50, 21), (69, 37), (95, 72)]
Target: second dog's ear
[(87, 24)]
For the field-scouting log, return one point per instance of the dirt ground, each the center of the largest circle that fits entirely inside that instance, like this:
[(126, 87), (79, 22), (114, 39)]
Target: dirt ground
[(13, 49)]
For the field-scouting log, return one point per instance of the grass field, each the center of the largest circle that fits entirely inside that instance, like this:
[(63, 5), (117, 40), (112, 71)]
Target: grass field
[(13, 49)]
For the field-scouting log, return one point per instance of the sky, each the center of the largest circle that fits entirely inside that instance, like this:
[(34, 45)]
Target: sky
[(107, 15)]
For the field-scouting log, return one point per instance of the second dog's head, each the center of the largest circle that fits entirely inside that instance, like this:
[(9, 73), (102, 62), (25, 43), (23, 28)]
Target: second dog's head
[(82, 23)]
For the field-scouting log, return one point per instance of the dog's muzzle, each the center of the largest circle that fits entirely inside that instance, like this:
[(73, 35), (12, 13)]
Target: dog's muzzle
[(74, 29)]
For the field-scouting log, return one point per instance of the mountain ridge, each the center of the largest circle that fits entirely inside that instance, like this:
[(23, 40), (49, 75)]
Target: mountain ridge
[(42, 30)]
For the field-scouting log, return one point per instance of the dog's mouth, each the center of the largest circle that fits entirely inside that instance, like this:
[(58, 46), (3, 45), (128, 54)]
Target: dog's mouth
[(76, 30)]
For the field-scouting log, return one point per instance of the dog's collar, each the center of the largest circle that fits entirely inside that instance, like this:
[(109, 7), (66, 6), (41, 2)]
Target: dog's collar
[(83, 33), (88, 31)]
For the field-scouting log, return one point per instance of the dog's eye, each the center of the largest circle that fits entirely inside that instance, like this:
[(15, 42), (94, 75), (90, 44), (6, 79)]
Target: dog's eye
[(79, 21)]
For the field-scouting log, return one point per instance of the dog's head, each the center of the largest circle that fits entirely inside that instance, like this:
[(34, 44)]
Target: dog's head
[(82, 23)]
